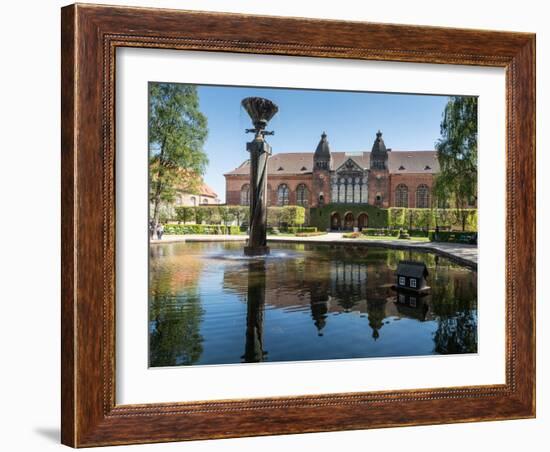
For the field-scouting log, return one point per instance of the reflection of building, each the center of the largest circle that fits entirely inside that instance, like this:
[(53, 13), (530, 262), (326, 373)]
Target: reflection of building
[(204, 196), (414, 306), (381, 177)]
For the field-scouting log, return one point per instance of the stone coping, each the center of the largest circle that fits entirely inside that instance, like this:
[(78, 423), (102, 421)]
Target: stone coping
[(462, 254)]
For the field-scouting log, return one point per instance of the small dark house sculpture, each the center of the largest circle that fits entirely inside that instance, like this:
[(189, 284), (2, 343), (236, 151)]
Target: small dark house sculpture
[(411, 275)]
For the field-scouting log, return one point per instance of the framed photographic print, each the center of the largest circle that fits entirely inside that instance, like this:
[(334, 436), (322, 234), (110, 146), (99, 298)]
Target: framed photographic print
[(281, 225)]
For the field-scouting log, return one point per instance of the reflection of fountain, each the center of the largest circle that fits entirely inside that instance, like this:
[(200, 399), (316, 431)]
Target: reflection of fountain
[(253, 351), (260, 111), (320, 304)]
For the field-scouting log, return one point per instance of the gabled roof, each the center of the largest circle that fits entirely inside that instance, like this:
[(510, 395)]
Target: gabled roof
[(412, 269), (349, 164), (423, 162)]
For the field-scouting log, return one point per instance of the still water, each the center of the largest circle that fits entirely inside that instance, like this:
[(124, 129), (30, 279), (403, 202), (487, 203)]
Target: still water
[(210, 305)]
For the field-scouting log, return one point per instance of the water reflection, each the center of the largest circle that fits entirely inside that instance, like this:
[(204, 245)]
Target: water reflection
[(319, 302), (255, 303)]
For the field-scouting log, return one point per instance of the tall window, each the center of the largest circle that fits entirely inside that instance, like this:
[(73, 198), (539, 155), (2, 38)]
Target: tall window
[(245, 195), (422, 197), (302, 195), (282, 195), (401, 196)]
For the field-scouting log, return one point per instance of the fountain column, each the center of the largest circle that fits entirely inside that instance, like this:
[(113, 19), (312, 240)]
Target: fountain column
[(260, 111)]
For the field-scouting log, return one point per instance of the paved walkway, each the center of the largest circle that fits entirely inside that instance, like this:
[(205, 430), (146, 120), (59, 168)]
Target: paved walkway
[(458, 252)]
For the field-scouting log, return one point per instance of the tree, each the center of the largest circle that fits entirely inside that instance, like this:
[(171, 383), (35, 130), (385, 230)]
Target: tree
[(184, 213), (226, 214), (457, 154), (177, 132), (240, 213)]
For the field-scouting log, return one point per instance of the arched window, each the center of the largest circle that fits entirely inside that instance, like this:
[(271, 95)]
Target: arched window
[(282, 195), (401, 196), (193, 201), (245, 195), (422, 197), (302, 195)]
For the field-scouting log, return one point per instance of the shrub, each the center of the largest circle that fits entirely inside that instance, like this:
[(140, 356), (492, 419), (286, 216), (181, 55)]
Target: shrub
[(352, 235), (425, 219), (183, 229), (453, 236), (403, 235), (418, 233), (294, 229), (309, 234), (286, 215), (380, 232)]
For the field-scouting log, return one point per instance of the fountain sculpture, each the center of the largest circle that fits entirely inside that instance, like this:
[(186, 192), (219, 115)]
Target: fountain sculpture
[(260, 111)]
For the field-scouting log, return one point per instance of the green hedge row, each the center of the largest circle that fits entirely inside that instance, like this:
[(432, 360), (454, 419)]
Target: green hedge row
[(452, 236), (183, 229), (401, 217), (296, 229), (380, 232)]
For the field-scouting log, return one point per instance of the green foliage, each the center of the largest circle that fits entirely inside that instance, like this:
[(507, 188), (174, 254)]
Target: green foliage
[(177, 132), (380, 232), (309, 234), (352, 235), (185, 213), (175, 329), (240, 213), (285, 216), (425, 219), (457, 154), (183, 229), (297, 229), (452, 236), (210, 214), (320, 216)]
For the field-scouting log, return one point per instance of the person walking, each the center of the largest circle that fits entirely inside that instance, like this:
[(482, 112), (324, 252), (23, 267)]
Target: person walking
[(160, 231)]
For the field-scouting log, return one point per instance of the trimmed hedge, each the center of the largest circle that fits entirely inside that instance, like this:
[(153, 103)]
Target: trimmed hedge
[(453, 236), (352, 235), (380, 232), (320, 216), (184, 229), (401, 217), (309, 234), (296, 229)]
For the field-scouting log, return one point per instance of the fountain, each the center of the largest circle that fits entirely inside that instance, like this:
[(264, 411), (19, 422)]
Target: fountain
[(260, 111)]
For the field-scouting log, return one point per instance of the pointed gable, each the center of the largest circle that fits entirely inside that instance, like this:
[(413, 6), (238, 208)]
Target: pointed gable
[(349, 164)]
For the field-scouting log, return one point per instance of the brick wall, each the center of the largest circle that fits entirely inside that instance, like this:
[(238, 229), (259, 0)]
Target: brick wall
[(379, 185), (234, 183), (412, 181)]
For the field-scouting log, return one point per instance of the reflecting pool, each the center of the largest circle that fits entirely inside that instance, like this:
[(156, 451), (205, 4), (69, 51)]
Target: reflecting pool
[(208, 304)]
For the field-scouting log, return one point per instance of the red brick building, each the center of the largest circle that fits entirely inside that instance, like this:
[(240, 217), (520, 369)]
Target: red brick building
[(380, 177)]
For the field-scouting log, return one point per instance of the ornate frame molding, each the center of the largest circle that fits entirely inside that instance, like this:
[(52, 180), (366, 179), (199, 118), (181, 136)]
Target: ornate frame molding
[(90, 37)]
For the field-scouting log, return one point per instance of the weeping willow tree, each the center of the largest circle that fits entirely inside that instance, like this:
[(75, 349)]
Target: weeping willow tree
[(456, 183), (177, 132)]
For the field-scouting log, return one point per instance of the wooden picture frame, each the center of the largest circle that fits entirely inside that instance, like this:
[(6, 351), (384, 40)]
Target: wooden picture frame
[(90, 35)]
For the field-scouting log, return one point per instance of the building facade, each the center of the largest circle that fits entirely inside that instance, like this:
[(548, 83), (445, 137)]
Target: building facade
[(380, 177), (203, 197)]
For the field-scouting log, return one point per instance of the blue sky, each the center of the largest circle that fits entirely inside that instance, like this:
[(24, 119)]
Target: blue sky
[(350, 119)]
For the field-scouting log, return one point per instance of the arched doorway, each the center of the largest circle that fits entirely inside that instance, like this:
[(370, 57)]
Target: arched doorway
[(349, 221), (362, 221), (335, 221)]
